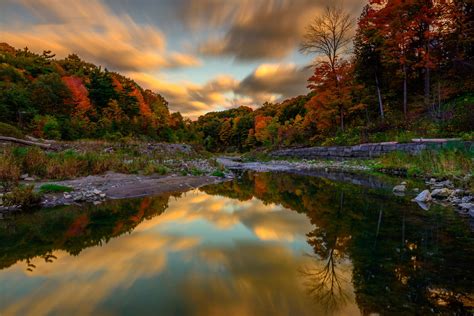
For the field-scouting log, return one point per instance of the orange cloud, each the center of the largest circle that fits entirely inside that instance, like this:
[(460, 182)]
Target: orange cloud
[(90, 29)]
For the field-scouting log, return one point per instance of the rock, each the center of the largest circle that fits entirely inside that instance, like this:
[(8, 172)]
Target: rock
[(471, 212), (466, 206), (96, 191), (466, 199), (443, 184), (24, 176), (400, 188), (416, 190), (404, 183), (29, 179), (424, 196), (67, 195), (441, 193), (102, 195)]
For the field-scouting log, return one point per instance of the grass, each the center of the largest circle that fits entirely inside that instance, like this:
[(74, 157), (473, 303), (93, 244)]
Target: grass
[(54, 188), (450, 162), (218, 173), (68, 164), (23, 196)]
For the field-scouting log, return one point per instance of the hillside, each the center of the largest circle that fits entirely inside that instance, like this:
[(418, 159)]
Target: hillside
[(70, 99)]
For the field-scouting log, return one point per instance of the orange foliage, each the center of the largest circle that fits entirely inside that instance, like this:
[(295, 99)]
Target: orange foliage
[(117, 85), (80, 95), (261, 123), (333, 98), (78, 226), (144, 107), (260, 185)]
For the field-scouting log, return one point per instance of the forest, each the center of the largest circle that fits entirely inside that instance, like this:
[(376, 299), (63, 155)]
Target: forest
[(404, 69)]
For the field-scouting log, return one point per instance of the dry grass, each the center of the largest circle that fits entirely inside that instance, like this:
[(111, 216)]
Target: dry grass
[(9, 173)]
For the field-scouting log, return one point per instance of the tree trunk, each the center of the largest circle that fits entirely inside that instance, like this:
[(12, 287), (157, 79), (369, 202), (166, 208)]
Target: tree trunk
[(427, 87), (341, 111), (379, 96), (24, 142), (405, 91)]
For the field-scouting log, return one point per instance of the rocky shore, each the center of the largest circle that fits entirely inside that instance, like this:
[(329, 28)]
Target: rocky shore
[(97, 189), (441, 192)]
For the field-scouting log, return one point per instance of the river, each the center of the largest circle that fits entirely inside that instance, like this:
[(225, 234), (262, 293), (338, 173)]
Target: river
[(263, 244)]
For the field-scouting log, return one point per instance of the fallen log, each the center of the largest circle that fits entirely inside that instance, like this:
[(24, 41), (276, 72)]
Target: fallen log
[(24, 142)]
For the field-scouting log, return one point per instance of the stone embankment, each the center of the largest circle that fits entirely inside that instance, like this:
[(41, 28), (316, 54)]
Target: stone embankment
[(366, 151)]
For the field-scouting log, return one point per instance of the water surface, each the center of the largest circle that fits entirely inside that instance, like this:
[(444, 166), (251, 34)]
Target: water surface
[(264, 244)]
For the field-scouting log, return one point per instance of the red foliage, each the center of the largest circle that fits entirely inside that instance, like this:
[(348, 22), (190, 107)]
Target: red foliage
[(117, 85), (80, 95), (333, 98), (144, 107)]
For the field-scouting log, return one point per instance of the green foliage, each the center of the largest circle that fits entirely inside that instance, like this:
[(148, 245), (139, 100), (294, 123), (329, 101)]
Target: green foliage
[(218, 173), (54, 188), (10, 131), (47, 126)]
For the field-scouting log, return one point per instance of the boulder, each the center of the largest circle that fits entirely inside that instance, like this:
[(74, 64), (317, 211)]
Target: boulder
[(401, 188), (424, 196)]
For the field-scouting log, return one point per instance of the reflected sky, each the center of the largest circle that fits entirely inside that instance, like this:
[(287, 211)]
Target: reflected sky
[(205, 255)]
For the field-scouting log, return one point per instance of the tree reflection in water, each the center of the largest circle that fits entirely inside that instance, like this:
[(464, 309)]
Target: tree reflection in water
[(392, 256), (404, 260)]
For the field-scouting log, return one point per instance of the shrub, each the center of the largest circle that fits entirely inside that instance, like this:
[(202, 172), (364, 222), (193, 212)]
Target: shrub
[(218, 173), (152, 168), (9, 173), (24, 196), (10, 131), (47, 126), (35, 161), (54, 188)]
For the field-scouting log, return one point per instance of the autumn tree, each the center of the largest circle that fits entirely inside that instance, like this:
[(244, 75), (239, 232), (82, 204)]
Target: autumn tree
[(328, 36)]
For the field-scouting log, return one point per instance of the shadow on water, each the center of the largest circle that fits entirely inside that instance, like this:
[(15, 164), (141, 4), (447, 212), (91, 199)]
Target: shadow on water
[(402, 260)]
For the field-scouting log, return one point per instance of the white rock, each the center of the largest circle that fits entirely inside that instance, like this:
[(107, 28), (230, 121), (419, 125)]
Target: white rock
[(399, 188), (466, 206), (29, 179), (24, 176), (424, 196), (97, 192), (466, 199)]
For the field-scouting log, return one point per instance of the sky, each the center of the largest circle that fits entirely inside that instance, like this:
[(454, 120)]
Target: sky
[(201, 55)]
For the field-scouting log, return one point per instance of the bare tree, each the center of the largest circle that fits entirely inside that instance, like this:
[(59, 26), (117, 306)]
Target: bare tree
[(329, 34)]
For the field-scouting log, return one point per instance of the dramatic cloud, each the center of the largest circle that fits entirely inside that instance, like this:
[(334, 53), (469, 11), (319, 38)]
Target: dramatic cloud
[(94, 32), (268, 82), (156, 44), (256, 29), (281, 80)]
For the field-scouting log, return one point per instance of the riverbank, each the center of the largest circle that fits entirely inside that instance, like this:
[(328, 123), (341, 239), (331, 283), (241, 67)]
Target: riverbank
[(92, 171), (112, 186)]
